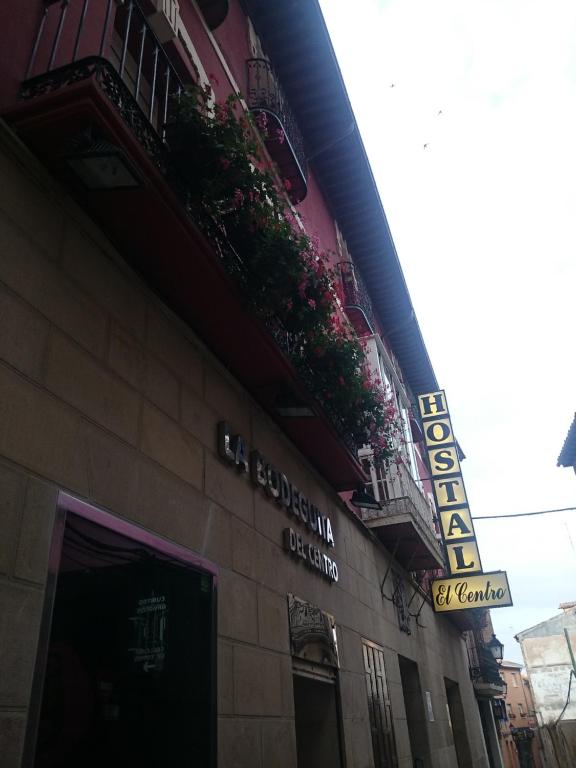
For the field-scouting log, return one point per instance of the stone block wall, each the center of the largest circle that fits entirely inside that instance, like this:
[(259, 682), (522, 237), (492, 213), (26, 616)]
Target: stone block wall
[(105, 394)]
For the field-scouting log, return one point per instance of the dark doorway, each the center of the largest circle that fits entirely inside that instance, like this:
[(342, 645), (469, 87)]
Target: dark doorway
[(458, 724), (415, 713), (317, 728), (129, 667)]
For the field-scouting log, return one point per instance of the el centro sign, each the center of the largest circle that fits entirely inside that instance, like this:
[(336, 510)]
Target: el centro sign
[(486, 590)]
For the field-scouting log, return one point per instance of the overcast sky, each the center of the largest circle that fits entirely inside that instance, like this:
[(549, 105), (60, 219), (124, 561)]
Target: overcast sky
[(467, 109)]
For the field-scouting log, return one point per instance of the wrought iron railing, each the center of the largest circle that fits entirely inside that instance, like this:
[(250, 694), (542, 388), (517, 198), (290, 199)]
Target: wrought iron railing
[(265, 93), (398, 493), (78, 39), (398, 483), (483, 666), (356, 295)]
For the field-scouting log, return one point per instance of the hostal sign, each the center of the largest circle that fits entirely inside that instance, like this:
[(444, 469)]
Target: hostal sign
[(469, 586), (234, 450)]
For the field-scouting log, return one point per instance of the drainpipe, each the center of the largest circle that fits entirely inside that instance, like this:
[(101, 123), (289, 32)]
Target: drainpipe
[(570, 650)]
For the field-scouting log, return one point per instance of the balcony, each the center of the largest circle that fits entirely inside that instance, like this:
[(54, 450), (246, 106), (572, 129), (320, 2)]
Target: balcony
[(357, 303), (278, 127), (114, 48), (404, 524), (485, 670), (97, 95)]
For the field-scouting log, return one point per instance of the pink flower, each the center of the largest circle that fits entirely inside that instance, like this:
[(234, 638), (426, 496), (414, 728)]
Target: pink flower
[(225, 163), (287, 185), (262, 121), (221, 113), (213, 79), (238, 198), (302, 288), (280, 136), (312, 303)]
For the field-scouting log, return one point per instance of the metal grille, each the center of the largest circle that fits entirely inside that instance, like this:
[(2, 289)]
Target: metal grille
[(74, 32), (355, 292), (381, 726), (264, 92)]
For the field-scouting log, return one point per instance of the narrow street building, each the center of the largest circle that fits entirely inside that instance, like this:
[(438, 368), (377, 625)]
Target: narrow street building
[(549, 651), (518, 723), (217, 521)]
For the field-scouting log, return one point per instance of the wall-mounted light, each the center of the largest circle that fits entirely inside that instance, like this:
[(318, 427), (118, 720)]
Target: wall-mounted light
[(361, 498), (99, 164), (291, 406), (496, 648)]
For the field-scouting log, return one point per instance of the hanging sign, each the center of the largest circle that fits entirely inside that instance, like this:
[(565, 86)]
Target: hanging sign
[(486, 590), (456, 526)]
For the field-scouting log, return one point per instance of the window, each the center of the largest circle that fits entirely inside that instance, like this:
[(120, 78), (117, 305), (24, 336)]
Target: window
[(379, 708), (514, 679), (521, 710)]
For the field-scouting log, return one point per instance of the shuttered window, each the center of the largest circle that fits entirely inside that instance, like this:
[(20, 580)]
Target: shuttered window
[(379, 706)]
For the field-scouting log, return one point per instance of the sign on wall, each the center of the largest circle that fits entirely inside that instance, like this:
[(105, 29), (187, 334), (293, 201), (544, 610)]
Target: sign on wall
[(234, 450), (456, 526)]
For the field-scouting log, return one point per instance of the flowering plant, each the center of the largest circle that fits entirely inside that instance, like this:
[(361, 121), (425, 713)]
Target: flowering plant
[(287, 281)]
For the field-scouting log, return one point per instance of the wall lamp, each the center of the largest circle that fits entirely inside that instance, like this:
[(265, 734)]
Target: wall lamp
[(361, 498), (496, 648), (99, 164)]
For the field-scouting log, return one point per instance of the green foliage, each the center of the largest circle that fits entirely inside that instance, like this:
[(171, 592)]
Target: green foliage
[(285, 279)]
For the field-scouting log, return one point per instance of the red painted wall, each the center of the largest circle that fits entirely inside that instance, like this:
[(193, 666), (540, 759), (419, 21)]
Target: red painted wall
[(18, 25)]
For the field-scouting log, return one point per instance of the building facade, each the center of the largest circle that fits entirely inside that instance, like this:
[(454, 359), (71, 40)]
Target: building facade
[(518, 718), (549, 654), (186, 577)]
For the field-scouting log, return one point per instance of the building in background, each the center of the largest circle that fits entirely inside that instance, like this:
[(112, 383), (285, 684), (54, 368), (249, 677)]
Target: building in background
[(208, 354), (484, 656), (567, 457), (517, 719), (548, 650)]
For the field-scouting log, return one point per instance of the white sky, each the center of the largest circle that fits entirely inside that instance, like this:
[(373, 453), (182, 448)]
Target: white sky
[(483, 221)]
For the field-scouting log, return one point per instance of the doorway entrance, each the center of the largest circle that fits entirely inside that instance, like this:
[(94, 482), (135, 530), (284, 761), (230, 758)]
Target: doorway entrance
[(317, 722), (458, 724), (126, 673), (415, 714)]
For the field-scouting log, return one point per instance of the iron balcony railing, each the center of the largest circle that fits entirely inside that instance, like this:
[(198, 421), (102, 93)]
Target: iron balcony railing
[(356, 297), (110, 40), (266, 94), (484, 669), (397, 483), (398, 493), (113, 43)]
